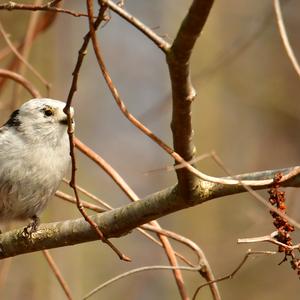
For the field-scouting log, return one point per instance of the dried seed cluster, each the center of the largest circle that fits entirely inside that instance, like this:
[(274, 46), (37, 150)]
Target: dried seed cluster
[(284, 228)]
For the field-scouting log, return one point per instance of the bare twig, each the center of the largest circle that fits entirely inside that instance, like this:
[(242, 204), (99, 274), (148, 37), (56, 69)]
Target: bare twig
[(201, 266), (21, 80), (255, 194), (4, 52), (85, 204), (44, 22), (167, 246), (89, 194), (135, 271), (107, 168), (159, 41), (57, 274), (67, 111), (30, 7), (180, 166), (270, 238), (21, 58), (230, 276), (169, 150), (96, 208), (25, 52), (284, 37)]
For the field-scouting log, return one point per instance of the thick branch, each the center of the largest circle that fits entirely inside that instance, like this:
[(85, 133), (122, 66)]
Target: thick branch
[(183, 92), (122, 220)]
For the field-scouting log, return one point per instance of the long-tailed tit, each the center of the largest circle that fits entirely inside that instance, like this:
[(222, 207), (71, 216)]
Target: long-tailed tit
[(34, 157)]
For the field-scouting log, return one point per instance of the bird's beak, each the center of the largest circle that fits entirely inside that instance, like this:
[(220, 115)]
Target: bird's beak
[(64, 121)]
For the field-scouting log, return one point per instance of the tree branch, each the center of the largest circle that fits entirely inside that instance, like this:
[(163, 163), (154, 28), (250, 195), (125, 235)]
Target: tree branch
[(121, 221), (21, 80), (183, 92)]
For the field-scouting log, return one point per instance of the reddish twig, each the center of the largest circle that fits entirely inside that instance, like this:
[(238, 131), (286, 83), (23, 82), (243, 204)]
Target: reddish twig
[(85, 204), (21, 80), (22, 59), (253, 193), (4, 52), (44, 22), (57, 274), (202, 265), (90, 195), (166, 244), (47, 7), (24, 53), (98, 209), (127, 190), (107, 168), (175, 155), (67, 111)]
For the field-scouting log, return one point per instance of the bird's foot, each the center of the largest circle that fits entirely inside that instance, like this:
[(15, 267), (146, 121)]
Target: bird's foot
[(31, 227)]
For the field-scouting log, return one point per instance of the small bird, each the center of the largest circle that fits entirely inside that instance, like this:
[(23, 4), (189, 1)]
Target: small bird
[(34, 157)]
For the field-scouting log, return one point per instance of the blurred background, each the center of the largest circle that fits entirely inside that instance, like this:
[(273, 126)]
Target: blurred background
[(247, 110)]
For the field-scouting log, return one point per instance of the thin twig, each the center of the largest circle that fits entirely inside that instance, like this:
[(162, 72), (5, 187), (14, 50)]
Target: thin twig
[(254, 193), (230, 276), (25, 52), (22, 59), (90, 195), (85, 204), (175, 155), (98, 209), (159, 41), (22, 6), (284, 37), (67, 111), (267, 238), (43, 24), (57, 274), (166, 244), (135, 271), (4, 52), (21, 80)]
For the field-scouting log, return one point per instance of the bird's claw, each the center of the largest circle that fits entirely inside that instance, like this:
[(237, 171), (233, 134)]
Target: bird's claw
[(31, 227)]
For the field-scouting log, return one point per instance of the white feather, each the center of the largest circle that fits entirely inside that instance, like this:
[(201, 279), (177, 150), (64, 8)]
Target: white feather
[(34, 157)]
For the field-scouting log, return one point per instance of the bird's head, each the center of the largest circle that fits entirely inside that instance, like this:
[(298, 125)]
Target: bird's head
[(41, 120)]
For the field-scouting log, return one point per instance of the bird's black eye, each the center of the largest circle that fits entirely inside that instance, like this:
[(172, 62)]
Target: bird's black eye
[(48, 112)]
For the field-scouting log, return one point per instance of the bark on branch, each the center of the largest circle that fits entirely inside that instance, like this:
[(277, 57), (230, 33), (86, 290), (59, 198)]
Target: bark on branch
[(183, 93), (121, 221)]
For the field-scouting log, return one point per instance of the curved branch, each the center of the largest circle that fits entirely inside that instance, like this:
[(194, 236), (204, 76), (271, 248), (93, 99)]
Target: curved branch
[(20, 79)]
